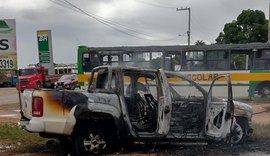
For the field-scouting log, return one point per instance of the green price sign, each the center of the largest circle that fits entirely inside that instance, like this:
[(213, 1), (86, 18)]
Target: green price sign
[(43, 43), (43, 38)]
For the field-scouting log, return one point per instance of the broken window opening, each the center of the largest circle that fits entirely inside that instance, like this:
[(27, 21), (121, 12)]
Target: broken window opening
[(140, 93), (218, 119), (187, 106)]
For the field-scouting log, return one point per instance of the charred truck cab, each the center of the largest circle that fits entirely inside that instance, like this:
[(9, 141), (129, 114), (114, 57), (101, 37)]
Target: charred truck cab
[(134, 104)]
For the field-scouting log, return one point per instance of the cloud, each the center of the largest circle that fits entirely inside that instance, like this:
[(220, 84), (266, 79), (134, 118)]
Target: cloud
[(156, 18), (18, 5)]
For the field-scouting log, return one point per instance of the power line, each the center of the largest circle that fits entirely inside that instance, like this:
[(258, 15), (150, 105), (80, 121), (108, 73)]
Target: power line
[(156, 4), (109, 23), (63, 5), (104, 19), (114, 25)]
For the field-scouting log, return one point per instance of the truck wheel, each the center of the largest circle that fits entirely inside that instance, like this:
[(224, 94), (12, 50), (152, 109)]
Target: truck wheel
[(38, 85), (91, 142), (73, 87), (237, 134), (243, 122)]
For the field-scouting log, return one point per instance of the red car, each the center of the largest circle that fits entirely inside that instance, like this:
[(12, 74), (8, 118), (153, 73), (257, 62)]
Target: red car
[(67, 82)]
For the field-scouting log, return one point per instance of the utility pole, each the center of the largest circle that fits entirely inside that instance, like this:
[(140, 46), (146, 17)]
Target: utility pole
[(269, 24), (188, 32)]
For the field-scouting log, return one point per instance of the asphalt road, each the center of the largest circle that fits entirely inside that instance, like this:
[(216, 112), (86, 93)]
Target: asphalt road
[(9, 104), (9, 96)]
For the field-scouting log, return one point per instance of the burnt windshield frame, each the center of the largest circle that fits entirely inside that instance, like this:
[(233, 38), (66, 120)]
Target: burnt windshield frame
[(102, 70), (173, 74)]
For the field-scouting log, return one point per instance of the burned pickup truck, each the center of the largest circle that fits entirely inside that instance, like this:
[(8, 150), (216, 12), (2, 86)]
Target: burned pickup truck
[(126, 104)]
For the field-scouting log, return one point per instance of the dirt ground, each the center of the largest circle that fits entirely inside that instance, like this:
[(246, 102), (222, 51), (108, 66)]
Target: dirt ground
[(261, 112), (10, 111)]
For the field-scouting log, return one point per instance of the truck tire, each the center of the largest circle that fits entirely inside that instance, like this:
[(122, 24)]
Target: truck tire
[(237, 134), (38, 85), (72, 87), (91, 141)]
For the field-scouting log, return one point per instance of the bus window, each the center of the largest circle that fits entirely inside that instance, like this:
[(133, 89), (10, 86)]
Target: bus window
[(195, 60), (90, 60), (262, 60), (176, 62), (86, 62), (217, 65), (110, 60), (217, 60), (156, 62), (216, 55), (138, 59), (238, 60)]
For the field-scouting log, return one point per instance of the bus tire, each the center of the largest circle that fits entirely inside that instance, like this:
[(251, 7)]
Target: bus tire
[(265, 91), (263, 88)]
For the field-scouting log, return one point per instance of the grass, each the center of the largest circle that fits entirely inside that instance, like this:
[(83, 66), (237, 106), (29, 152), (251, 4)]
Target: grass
[(259, 99), (12, 134), (261, 131), (25, 142)]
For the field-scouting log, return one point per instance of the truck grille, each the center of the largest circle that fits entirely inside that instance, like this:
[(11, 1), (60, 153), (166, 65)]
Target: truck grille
[(60, 84), (24, 80)]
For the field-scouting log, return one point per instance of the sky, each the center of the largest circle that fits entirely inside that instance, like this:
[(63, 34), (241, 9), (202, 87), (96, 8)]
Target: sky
[(103, 23)]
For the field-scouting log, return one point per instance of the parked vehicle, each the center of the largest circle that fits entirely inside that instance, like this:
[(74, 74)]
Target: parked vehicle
[(67, 82), (125, 104), (8, 77), (35, 77)]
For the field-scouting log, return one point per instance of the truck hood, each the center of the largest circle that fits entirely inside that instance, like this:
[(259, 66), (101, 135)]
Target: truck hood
[(241, 105), (242, 109)]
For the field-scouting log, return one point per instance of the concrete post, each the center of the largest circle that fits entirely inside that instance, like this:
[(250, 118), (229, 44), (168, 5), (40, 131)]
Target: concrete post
[(269, 24)]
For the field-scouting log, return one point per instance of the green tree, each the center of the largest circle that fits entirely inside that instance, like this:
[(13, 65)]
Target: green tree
[(238, 61), (250, 26), (199, 42)]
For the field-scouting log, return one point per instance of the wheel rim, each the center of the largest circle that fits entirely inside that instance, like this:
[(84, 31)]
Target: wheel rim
[(237, 133), (266, 91), (94, 142), (38, 85)]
